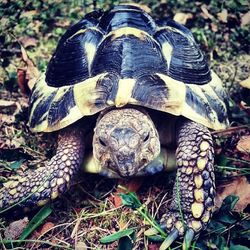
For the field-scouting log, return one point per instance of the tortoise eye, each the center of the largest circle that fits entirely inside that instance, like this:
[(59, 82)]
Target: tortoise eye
[(102, 142), (146, 137)]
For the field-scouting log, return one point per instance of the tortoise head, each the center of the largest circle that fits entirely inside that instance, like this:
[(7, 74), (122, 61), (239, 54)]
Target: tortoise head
[(125, 141)]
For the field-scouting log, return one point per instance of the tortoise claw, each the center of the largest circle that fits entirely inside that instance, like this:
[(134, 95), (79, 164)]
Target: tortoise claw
[(170, 239), (189, 235)]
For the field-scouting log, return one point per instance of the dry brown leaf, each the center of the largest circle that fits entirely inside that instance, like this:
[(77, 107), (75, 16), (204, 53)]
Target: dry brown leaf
[(205, 14), (27, 76), (22, 81), (29, 14), (131, 185), (15, 229), (243, 144), (44, 229), (182, 17), (239, 187), (222, 16), (246, 83), (28, 41), (245, 19)]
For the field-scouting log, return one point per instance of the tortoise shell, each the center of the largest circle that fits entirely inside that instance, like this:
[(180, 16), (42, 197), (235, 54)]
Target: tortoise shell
[(123, 57)]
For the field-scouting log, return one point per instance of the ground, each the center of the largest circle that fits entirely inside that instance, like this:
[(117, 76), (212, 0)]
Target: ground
[(92, 208)]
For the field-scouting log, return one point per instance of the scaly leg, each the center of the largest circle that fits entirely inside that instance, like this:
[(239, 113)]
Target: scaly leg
[(194, 189), (37, 187)]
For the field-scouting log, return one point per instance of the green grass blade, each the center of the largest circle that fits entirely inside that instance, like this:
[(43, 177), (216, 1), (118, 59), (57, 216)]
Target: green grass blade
[(116, 236), (36, 221)]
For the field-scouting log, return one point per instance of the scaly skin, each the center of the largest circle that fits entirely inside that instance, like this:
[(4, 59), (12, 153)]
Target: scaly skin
[(194, 190), (37, 187)]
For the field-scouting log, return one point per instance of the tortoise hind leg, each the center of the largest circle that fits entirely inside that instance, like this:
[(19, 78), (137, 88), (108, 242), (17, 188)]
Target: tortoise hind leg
[(194, 189), (35, 188)]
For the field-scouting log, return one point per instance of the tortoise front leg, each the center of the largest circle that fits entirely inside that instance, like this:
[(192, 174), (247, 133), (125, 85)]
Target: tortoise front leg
[(194, 189), (35, 188)]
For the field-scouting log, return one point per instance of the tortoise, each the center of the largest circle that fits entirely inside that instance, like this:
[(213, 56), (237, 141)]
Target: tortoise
[(143, 92)]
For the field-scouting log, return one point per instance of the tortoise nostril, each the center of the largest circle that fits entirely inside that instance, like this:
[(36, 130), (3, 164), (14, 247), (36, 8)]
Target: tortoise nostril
[(144, 161)]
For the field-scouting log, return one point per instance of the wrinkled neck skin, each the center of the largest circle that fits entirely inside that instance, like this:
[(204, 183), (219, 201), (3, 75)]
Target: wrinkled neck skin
[(125, 142)]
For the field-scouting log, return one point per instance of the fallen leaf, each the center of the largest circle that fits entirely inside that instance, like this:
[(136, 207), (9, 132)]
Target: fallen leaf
[(29, 14), (238, 186), (246, 83), (205, 14), (15, 229), (44, 229), (28, 75), (28, 41), (22, 81), (182, 17), (222, 16), (245, 19), (131, 185), (244, 144)]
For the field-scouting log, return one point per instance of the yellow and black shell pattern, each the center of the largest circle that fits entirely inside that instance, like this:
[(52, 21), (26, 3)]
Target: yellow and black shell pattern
[(123, 57)]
